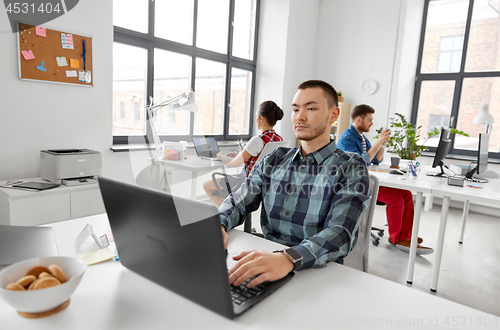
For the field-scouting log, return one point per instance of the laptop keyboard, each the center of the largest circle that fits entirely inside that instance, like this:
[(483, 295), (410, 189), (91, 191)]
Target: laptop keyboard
[(241, 293)]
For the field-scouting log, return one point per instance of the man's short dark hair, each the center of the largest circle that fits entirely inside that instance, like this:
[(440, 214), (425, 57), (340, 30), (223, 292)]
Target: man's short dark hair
[(361, 111), (330, 92)]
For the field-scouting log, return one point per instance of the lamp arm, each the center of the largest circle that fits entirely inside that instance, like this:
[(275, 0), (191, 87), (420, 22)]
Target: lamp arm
[(156, 138), (165, 103), (151, 109)]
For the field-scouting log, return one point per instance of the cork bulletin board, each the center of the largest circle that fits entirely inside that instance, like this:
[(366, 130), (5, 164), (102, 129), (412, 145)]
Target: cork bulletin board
[(54, 56)]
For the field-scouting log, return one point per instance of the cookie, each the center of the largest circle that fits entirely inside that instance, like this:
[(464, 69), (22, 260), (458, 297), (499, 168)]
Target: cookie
[(58, 273), (25, 281), (45, 274), (32, 285), (37, 270), (15, 287), (47, 282)]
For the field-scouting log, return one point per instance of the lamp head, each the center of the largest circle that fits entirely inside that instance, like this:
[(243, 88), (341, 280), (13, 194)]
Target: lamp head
[(188, 105), (483, 117)]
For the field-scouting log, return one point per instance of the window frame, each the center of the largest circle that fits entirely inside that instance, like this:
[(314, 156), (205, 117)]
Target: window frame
[(457, 77), (149, 42)]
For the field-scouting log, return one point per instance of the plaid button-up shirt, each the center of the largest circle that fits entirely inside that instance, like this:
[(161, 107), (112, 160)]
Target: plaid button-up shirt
[(312, 204)]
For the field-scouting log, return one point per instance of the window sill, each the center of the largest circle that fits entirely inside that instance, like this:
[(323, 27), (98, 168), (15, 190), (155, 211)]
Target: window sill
[(457, 157), (143, 147)]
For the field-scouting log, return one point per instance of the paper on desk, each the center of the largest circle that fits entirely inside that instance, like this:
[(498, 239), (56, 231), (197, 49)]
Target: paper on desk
[(98, 256)]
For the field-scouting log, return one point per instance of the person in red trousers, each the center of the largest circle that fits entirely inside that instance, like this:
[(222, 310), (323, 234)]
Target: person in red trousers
[(399, 202)]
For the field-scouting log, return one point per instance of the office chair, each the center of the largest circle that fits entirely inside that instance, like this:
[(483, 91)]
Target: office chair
[(358, 257), (225, 188), (380, 232)]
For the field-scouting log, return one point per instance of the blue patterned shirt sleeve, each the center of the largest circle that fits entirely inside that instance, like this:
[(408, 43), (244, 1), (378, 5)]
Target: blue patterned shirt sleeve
[(350, 141), (311, 203)]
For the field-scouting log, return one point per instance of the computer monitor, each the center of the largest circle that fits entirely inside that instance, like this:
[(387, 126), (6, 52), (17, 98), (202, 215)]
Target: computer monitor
[(482, 159), (441, 152)]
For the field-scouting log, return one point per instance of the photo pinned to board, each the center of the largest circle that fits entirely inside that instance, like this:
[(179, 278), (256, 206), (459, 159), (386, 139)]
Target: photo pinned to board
[(84, 76)]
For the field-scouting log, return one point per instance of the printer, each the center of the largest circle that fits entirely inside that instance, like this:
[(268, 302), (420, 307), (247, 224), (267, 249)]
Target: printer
[(70, 167)]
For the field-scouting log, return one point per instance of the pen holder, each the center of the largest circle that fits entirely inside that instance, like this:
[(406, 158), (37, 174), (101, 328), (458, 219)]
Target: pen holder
[(412, 170)]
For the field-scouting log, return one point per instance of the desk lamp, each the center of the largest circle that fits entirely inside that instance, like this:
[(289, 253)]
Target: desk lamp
[(484, 117), (172, 103)]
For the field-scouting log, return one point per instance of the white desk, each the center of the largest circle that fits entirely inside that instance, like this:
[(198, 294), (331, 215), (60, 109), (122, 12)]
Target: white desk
[(112, 297), (420, 185), (195, 165), (489, 194)]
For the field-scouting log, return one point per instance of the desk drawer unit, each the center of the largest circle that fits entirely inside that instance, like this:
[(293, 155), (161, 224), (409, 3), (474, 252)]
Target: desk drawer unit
[(34, 209), (86, 202)]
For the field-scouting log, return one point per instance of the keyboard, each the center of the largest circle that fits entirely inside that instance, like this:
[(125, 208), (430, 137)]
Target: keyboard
[(241, 293), (477, 180)]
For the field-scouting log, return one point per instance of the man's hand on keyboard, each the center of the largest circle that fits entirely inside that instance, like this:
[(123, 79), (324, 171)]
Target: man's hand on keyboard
[(269, 267)]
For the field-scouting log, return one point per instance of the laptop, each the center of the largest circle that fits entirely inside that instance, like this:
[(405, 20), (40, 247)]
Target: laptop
[(169, 240), (206, 146), (18, 243)]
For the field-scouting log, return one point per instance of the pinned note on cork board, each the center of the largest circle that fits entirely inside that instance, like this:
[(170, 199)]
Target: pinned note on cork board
[(55, 56)]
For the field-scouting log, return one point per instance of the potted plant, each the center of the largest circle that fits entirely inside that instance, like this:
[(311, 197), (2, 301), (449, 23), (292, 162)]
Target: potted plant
[(406, 141), (341, 98)]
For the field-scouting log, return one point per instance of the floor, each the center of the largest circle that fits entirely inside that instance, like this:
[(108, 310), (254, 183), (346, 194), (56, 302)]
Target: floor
[(469, 272)]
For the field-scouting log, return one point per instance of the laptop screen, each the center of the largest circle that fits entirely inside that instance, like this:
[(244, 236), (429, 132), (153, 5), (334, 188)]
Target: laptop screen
[(205, 146)]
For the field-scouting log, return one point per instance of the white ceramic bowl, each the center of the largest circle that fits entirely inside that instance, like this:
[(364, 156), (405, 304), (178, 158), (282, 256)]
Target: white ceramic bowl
[(37, 301)]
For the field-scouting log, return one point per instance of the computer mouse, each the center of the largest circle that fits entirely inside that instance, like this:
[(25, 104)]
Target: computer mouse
[(398, 172)]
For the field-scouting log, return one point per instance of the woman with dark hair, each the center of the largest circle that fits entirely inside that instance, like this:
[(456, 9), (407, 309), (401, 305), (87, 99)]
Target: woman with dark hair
[(266, 117)]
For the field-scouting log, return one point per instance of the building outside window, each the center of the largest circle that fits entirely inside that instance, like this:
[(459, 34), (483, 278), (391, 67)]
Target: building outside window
[(458, 70), (171, 47), (137, 111), (122, 110)]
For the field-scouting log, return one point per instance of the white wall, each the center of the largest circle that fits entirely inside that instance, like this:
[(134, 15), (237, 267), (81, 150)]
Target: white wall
[(357, 40), (287, 50), (36, 116)]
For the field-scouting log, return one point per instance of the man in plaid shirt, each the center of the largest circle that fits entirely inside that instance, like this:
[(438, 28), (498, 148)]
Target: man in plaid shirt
[(312, 196)]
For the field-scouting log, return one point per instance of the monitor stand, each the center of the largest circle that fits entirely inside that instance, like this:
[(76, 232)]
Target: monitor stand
[(439, 174), (469, 177)]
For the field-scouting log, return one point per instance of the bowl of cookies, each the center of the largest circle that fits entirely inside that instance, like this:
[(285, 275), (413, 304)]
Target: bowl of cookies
[(41, 286)]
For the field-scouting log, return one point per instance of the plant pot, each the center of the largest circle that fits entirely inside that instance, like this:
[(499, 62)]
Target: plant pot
[(341, 99)]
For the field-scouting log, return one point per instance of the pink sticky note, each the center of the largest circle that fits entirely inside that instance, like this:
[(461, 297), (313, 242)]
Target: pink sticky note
[(28, 54), (40, 31)]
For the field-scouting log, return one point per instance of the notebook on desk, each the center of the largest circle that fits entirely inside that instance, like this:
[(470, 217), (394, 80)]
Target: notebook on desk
[(206, 146), (176, 243)]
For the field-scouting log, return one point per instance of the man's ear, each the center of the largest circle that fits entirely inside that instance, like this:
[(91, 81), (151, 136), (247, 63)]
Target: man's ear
[(335, 113), (357, 121)]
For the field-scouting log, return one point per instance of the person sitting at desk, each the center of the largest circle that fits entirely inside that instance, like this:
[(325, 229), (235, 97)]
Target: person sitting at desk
[(399, 202), (312, 196), (266, 117)]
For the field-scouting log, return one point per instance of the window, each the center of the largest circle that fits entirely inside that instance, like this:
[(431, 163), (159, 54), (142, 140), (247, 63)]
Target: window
[(137, 111), (450, 53), (458, 70), (122, 110), (163, 48)]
